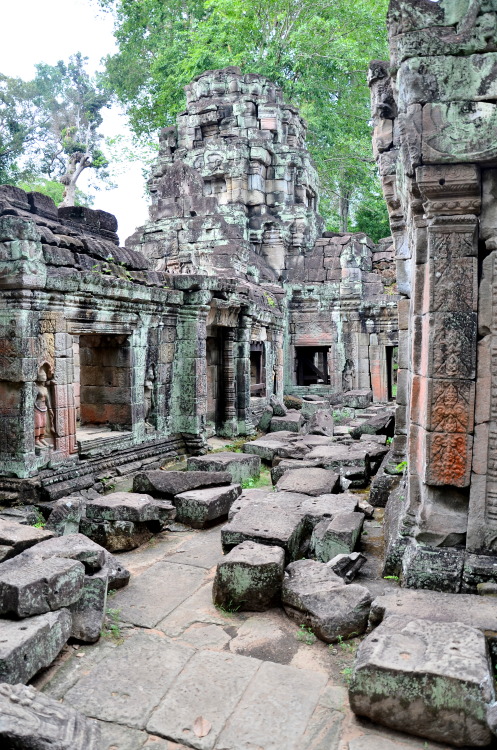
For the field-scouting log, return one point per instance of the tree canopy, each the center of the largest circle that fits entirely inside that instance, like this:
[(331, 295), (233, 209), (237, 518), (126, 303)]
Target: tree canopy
[(49, 127), (317, 50)]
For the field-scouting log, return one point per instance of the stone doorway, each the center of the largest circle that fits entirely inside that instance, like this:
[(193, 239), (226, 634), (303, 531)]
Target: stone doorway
[(257, 369), (392, 360), (105, 399), (312, 365)]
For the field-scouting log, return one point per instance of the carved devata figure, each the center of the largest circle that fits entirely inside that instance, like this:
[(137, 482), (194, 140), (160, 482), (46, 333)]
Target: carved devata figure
[(348, 376), (44, 414), (148, 397)]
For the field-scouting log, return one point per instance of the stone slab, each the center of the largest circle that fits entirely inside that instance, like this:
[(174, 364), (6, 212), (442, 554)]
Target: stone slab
[(291, 422), (274, 710), (128, 684), (338, 536), (26, 646), (197, 508), (120, 536), (433, 678), (170, 483), (73, 547), (210, 686), (240, 466), (129, 506), (139, 602), (265, 524), (264, 448), (16, 537), (203, 550), (309, 481)]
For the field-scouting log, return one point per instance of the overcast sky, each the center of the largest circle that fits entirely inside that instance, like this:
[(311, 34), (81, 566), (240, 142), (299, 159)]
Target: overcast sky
[(50, 30)]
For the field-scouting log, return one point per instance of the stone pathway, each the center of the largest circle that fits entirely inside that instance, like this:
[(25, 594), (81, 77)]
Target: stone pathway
[(183, 674)]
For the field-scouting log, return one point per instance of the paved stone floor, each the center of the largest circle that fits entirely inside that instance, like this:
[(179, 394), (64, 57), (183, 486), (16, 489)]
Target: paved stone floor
[(179, 673)]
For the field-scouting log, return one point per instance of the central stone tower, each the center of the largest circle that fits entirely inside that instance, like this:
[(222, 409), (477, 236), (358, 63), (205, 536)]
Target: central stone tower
[(234, 188)]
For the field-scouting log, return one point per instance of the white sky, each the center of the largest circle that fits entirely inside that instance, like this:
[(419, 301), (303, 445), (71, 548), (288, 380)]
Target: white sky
[(46, 31)]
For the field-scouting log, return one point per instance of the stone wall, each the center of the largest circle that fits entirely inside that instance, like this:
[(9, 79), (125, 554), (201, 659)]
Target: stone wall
[(435, 122)]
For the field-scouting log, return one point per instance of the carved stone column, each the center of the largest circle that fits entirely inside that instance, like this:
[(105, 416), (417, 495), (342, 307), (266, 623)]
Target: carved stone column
[(229, 426)]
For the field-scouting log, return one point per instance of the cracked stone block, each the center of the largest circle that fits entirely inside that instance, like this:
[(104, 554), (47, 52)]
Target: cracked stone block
[(66, 515), (309, 481), (264, 448), (170, 483), (26, 646), (88, 612), (198, 507), (314, 596), (239, 466), (433, 678), (249, 577), (291, 422), (278, 407), (34, 721), (311, 407), (321, 423), (338, 536), (381, 424), (129, 506), (347, 566), (16, 537), (350, 461), (265, 523), (32, 586)]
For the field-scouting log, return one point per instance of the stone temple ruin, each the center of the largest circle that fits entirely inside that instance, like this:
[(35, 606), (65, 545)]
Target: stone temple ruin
[(232, 316)]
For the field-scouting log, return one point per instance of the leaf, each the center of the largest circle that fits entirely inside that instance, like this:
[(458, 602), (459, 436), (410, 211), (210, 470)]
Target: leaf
[(201, 726)]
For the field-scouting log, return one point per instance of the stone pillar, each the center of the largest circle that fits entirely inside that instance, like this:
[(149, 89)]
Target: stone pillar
[(229, 426), (245, 424)]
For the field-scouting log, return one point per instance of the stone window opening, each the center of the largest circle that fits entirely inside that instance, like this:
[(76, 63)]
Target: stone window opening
[(312, 365), (257, 370), (105, 402)]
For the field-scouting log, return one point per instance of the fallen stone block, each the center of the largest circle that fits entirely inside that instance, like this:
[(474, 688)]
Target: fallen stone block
[(265, 420), (292, 422), (264, 523), (34, 721), (317, 509), (350, 461), (29, 645), (357, 399), (289, 464), (27, 515), (73, 547), (167, 484), (436, 568), (129, 506), (249, 577), (66, 516), (295, 449), (32, 586), (321, 423), (347, 566), (316, 597), (431, 678), (264, 448), (16, 537), (240, 466), (278, 407), (198, 507), (118, 575), (338, 536), (380, 424), (310, 407), (88, 612), (118, 536), (309, 481), (365, 508), (376, 454)]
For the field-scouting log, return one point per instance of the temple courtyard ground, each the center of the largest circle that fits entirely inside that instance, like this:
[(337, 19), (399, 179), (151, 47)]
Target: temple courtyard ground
[(175, 672)]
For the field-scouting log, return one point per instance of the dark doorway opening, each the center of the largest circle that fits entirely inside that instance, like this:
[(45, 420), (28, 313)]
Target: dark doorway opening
[(257, 369), (392, 358), (312, 365)]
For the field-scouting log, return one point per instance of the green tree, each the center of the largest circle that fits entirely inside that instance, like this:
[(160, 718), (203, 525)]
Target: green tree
[(22, 126), (317, 50), (54, 189)]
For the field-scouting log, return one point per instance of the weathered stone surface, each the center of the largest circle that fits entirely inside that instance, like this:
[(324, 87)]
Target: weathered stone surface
[(117, 575), (290, 464), (265, 420), (321, 423), (32, 586), (315, 596), (310, 407), (239, 466), (308, 481), (357, 399), (35, 721), (382, 424), (198, 507), (267, 449), (350, 461), (249, 577), (265, 523), (278, 407), (437, 568), (170, 483), (291, 422), (88, 612), (29, 645), (66, 515), (16, 537), (338, 536), (129, 506), (117, 536), (347, 566), (73, 547), (433, 678)]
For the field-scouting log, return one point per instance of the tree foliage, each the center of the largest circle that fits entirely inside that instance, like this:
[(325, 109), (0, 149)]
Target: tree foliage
[(49, 127), (317, 50)]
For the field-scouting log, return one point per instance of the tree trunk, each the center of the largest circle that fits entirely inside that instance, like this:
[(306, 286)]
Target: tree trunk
[(343, 210), (77, 163)]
